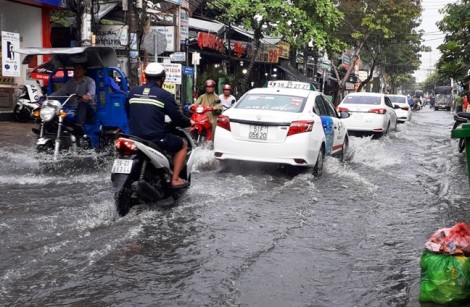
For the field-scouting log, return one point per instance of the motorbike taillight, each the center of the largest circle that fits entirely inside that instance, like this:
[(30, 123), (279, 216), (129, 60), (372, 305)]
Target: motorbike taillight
[(125, 146)]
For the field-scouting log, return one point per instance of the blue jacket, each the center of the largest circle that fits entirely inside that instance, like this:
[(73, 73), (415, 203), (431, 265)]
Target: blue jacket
[(147, 106)]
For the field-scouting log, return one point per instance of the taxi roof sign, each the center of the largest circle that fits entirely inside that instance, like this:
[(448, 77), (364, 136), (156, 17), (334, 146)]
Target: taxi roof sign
[(290, 84)]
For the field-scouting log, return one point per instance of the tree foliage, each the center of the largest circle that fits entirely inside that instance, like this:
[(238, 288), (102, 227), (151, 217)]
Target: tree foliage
[(377, 26), (455, 59)]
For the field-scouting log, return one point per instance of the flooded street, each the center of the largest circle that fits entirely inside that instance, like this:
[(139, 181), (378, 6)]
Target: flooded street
[(249, 237)]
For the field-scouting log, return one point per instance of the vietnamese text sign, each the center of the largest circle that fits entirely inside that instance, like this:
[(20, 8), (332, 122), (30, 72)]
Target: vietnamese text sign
[(173, 73), (10, 59), (169, 33), (114, 36)]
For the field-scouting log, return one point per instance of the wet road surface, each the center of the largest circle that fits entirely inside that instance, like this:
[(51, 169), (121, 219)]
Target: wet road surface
[(248, 237)]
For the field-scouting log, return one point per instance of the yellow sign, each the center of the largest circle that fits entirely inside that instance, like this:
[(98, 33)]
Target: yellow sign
[(284, 49), (170, 87)]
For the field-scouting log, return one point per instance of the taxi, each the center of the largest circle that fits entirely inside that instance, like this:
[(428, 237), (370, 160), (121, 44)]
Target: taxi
[(285, 122)]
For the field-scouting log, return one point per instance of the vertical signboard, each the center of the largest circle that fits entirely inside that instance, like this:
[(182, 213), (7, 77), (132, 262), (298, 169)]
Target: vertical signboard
[(10, 59), (184, 27)]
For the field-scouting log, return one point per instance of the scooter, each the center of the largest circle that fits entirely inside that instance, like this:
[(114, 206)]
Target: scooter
[(28, 102), (461, 118), (201, 131), (142, 172)]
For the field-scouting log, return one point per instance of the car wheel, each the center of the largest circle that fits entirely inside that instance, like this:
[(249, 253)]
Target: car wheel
[(344, 151), (318, 168)]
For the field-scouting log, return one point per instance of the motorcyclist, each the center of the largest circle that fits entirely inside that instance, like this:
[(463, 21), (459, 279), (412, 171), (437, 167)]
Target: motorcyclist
[(147, 106), (85, 88), (227, 99), (211, 99)]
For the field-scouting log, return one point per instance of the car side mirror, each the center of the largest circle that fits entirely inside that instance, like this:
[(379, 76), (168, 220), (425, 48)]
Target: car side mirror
[(344, 114)]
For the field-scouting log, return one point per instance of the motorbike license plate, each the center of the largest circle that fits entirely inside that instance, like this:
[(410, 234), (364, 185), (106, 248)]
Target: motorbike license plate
[(258, 132), (122, 166)]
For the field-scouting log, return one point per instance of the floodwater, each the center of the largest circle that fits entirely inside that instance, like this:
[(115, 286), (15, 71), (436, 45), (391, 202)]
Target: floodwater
[(247, 237)]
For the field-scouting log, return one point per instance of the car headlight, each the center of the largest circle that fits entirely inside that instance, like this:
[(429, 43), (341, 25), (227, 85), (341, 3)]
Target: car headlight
[(47, 113)]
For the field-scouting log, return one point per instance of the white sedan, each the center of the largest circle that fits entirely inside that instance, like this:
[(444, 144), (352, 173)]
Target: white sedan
[(292, 126), (370, 113), (404, 110)]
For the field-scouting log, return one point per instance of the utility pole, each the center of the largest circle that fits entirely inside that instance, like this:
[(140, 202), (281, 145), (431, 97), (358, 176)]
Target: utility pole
[(133, 45)]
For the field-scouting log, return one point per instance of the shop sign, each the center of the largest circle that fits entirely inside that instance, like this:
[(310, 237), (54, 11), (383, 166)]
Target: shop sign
[(10, 59), (188, 70), (178, 57), (239, 49), (211, 41), (283, 49), (169, 32), (170, 87), (350, 86), (184, 27), (114, 36), (173, 73), (270, 55)]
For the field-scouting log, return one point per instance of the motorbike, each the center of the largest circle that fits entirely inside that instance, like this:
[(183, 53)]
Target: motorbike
[(461, 118), (142, 172), (58, 129), (28, 102), (201, 131)]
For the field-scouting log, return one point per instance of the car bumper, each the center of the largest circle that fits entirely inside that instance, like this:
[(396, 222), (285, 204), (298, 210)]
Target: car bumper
[(366, 123), (293, 151)]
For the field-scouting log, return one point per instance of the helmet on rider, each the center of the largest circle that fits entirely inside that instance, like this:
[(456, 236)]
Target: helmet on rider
[(210, 83), (155, 71), (227, 87)]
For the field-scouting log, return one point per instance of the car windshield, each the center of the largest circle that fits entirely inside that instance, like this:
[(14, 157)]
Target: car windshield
[(283, 103), (362, 99), (397, 99)]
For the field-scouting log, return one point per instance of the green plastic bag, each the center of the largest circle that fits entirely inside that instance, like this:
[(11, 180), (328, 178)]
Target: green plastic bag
[(444, 278)]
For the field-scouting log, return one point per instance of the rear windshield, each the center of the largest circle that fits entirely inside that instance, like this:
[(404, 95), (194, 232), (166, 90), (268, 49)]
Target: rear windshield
[(283, 103), (362, 100), (398, 99)]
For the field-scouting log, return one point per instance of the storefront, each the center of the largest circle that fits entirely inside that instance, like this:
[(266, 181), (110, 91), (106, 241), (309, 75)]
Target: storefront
[(29, 22)]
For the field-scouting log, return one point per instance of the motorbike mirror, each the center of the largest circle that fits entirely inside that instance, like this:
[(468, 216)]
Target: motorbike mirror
[(233, 101), (217, 101)]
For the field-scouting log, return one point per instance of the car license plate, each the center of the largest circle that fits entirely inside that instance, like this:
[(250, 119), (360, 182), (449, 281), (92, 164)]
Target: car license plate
[(122, 166), (258, 132)]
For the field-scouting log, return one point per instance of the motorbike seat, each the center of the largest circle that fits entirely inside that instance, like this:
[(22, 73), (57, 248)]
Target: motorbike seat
[(464, 115)]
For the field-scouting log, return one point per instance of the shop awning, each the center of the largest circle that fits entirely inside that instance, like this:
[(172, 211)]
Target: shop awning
[(265, 40), (294, 75), (206, 26)]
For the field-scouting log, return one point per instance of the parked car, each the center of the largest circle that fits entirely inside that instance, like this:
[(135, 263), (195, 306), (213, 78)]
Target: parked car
[(404, 110), (371, 113), (284, 123)]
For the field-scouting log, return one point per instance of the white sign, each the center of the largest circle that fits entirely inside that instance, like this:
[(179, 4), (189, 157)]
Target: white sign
[(184, 27), (178, 57), (114, 36), (169, 33), (10, 59), (173, 73)]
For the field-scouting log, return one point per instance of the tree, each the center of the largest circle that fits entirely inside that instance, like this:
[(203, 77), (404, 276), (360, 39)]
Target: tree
[(455, 59), (370, 20)]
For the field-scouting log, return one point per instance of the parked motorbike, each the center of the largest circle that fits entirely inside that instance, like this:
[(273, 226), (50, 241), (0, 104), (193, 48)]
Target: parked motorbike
[(142, 171), (28, 102), (59, 129), (201, 131), (461, 118)]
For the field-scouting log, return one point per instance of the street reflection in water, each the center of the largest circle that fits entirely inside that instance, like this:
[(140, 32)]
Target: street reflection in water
[(252, 236)]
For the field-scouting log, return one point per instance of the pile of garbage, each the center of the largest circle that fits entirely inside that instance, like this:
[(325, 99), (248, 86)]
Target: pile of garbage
[(445, 266)]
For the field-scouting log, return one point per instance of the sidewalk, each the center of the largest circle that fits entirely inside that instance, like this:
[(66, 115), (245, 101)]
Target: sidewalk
[(13, 133)]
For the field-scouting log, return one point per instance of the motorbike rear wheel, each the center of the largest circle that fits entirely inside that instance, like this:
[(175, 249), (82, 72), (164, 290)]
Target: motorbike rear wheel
[(123, 199)]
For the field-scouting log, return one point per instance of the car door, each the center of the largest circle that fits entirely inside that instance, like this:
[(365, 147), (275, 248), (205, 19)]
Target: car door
[(327, 123), (339, 129), (391, 111)]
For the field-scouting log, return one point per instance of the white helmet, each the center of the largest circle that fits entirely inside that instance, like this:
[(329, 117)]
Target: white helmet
[(155, 70)]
